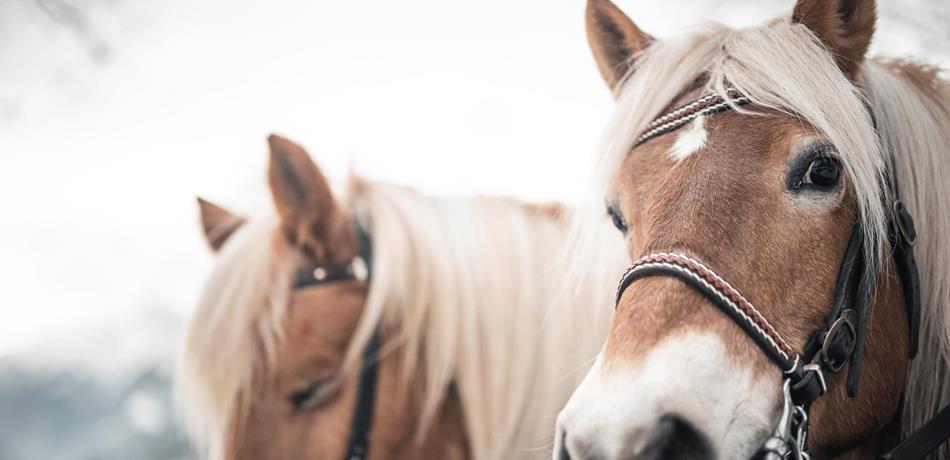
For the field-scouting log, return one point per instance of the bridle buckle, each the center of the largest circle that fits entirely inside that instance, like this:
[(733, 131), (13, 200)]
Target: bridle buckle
[(816, 368), (842, 325)]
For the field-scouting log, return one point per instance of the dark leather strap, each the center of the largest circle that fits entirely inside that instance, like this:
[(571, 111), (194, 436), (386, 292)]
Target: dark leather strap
[(361, 432), (325, 273), (903, 235), (923, 441), (862, 305)]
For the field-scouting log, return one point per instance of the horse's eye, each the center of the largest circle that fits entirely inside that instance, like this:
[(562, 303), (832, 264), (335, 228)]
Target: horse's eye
[(617, 219), (314, 394), (823, 172)]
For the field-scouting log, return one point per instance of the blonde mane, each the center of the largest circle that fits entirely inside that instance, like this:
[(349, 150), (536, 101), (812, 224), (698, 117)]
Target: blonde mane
[(477, 288), (914, 121), (242, 305), (783, 66)]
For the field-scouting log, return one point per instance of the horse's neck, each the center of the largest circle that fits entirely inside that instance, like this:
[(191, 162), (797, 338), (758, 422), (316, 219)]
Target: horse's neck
[(447, 437)]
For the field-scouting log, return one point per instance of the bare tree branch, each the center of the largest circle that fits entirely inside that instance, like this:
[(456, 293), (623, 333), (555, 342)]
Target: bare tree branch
[(78, 23)]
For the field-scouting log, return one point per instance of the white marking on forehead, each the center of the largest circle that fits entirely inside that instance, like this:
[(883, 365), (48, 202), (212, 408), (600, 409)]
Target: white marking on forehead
[(690, 140), (690, 375)]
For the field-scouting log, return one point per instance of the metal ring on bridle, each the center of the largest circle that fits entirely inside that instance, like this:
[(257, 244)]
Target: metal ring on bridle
[(843, 322)]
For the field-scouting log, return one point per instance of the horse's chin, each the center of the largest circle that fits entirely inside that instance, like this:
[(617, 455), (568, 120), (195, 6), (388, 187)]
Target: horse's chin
[(749, 443)]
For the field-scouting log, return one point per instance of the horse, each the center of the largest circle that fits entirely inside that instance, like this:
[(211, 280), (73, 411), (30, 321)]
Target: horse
[(785, 201), (385, 323)]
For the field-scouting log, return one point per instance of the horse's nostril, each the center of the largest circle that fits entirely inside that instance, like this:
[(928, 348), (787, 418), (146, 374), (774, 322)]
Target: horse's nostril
[(670, 437), (578, 448), (675, 437), (562, 453)]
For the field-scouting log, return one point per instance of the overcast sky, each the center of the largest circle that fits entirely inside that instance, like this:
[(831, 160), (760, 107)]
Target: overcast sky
[(109, 129)]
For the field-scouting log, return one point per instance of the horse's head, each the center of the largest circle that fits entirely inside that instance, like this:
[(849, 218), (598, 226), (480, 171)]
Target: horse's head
[(282, 360), (767, 195)]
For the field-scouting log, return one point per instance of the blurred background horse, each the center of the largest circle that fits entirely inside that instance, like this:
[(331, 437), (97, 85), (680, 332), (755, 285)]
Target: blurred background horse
[(463, 359)]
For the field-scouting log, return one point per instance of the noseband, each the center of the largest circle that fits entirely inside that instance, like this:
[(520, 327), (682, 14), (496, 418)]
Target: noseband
[(357, 268), (840, 339)]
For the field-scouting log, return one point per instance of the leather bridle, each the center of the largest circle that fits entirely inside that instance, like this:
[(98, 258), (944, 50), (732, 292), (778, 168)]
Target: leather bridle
[(837, 343), (357, 268)]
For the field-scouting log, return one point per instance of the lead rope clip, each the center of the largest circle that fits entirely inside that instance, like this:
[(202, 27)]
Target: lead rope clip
[(780, 445), (789, 440), (801, 435)]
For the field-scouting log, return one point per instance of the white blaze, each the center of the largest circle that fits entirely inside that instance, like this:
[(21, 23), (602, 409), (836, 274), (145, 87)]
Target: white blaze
[(690, 140)]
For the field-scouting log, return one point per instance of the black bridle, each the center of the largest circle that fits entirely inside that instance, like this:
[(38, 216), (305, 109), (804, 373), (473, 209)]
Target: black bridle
[(837, 343), (357, 268)]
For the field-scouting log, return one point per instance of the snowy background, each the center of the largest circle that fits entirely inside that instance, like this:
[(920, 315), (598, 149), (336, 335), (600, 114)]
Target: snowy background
[(115, 114)]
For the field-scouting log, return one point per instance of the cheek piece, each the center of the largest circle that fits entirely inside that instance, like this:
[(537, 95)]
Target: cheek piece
[(358, 268), (840, 340)]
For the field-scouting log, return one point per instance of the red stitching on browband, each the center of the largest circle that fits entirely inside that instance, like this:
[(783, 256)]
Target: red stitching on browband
[(686, 110), (725, 288), (678, 117)]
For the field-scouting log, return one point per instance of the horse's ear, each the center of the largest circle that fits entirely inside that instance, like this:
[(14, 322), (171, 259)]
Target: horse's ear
[(844, 26), (218, 223), (614, 39), (302, 196)]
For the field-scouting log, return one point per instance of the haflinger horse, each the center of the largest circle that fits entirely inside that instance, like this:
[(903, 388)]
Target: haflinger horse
[(386, 324), (781, 304)]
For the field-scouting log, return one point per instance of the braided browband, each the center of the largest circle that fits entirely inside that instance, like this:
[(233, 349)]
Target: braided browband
[(723, 295), (677, 118)]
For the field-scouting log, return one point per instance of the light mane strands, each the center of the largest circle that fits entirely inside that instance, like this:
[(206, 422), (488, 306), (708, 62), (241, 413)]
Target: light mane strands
[(913, 114)]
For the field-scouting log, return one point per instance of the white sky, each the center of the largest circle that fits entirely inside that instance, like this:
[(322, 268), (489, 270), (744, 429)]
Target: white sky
[(100, 164)]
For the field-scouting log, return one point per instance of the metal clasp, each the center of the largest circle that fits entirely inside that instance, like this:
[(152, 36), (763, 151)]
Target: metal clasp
[(816, 368), (789, 440), (780, 444), (358, 269), (801, 435)]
